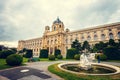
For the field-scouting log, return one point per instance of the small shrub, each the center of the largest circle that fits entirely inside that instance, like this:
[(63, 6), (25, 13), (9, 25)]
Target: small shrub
[(51, 57), (43, 53), (14, 60), (6, 53), (77, 57), (59, 56), (33, 59), (103, 57)]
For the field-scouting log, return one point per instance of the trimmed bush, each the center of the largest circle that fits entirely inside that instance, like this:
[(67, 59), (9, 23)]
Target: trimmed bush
[(77, 57), (57, 52), (71, 53), (59, 56), (33, 59), (6, 53), (112, 53), (43, 53), (14, 60), (28, 54), (103, 57), (51, 57)]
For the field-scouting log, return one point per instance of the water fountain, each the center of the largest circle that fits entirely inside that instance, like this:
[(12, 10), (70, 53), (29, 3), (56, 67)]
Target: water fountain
[(84, 62), (86, 66)]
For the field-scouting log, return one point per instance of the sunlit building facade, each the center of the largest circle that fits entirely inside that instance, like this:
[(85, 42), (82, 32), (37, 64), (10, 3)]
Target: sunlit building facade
[(60, 38)]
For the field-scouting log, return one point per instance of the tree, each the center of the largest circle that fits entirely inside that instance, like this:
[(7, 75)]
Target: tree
[(4, 54), (111, 42), (100, 46), (77, 45), (14, 50), (86, 45)]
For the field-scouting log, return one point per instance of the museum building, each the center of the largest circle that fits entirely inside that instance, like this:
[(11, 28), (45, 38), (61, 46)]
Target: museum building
[(60, 38)]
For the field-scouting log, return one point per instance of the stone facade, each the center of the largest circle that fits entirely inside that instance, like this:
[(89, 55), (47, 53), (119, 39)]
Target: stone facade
[(59, 38)]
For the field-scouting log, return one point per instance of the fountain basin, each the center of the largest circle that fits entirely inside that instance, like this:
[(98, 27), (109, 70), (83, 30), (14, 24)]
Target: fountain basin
[(111, 70)]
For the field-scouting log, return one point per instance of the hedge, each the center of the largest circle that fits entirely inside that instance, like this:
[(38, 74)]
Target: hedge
[(43, 53), (28, 54), (71, 53), (57, 52), (112, 53), (6, 53)]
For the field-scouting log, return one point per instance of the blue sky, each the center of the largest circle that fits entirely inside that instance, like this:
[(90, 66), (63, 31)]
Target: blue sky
[(25, 19)]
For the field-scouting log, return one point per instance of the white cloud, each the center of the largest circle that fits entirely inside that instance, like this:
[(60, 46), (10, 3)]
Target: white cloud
[(24, 19)]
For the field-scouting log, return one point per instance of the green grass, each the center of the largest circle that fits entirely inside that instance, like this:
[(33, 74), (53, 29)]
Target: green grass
[(113, 61), (3, 64), (69, 76)]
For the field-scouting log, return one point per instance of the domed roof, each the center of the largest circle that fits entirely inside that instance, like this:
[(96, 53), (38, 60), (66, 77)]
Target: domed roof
[(57, 20)]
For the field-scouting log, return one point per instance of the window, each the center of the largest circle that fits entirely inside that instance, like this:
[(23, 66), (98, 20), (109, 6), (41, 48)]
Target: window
[(82, 38), (110, 30), (95, 37), (103, 37), (71, 40), (111, 36), (66, 41), (119, 35), (88, 38), (54, 28), (60, 26)]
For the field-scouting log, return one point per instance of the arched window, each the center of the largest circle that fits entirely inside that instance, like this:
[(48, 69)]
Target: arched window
[(119, 35), (102, 37), (66, 41), (82, 38), (95, 37), (71, 40), (54, 28), (88, 38), (111, 36)]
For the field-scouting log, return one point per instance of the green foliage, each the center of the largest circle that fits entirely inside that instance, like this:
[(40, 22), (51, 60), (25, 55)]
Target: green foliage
[(102, 57), (112, 42), (86, 45), (14, 50), (33, 59), (57, 52), (100, 46), (59, 56), (51, 57), (77, 45), (43, 53), (14, 60), (77, 57), (4, 54), (28, 53), (112, 53), (71, 52)]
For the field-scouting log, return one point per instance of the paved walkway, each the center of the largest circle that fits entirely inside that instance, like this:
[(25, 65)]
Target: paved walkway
[(34, 71)]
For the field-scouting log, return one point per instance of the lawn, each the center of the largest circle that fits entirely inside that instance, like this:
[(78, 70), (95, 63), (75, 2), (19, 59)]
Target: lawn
[(3, 64), (69, 76)]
